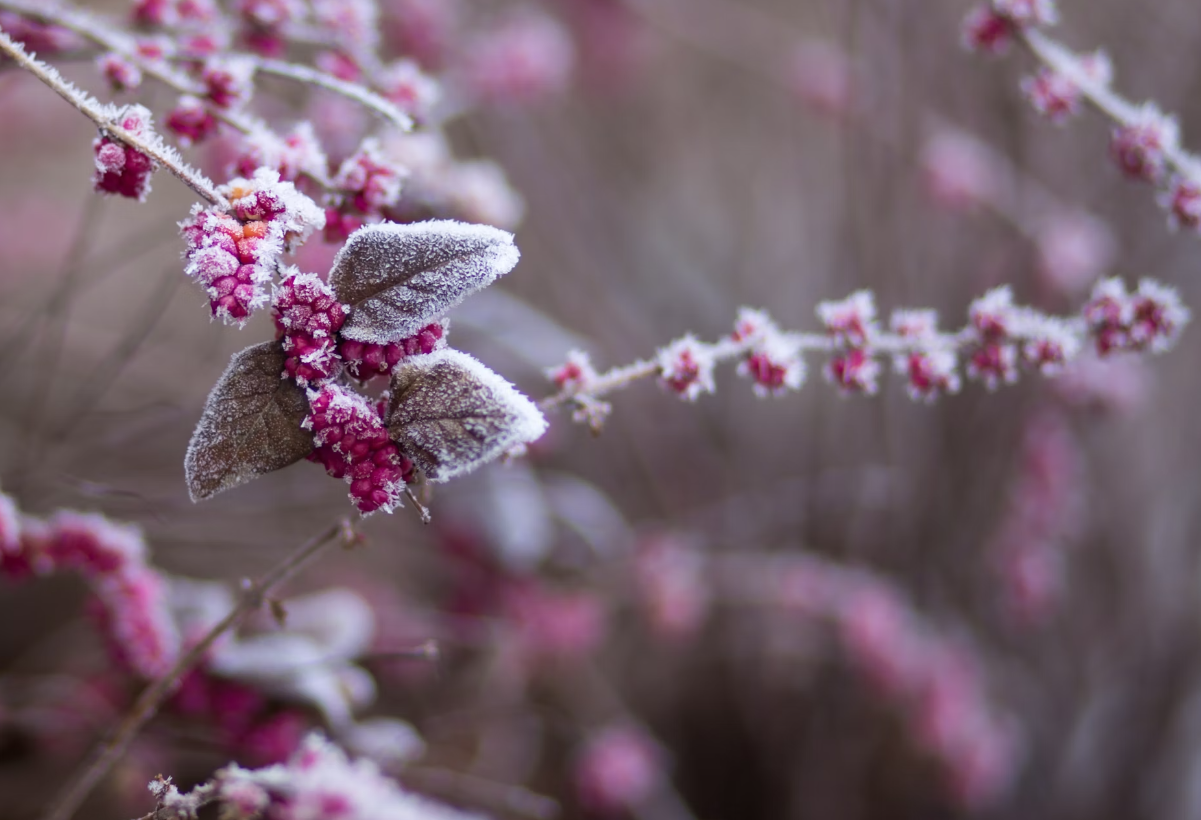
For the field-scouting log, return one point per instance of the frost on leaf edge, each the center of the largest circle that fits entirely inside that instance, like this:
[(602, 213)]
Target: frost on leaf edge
[(499, 256), (528, 422)]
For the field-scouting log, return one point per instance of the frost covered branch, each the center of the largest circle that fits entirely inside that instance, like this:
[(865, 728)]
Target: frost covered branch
[(109, 119), (998, 339), (351, 91), (117, 43), (319, 780), (1145, 144)]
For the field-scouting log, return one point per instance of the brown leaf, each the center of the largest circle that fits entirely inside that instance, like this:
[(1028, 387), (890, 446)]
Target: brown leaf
[(251, 424), (399, 278), (450, 414)]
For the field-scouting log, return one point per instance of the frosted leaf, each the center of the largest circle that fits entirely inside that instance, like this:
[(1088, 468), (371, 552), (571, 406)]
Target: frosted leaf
[(398, 278), (250, 426), (450, 414)]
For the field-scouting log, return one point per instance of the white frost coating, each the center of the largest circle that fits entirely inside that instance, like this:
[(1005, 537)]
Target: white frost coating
[(111, 538), (686, 366), (320, 772), (399, 278), (388, 741), (198, 606), (451, 414), (301, 214)]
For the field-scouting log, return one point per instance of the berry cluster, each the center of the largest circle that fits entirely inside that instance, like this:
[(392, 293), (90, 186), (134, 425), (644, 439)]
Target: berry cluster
[(1145, 142), (365, 360), (851, 325), (366, 183), (120, 168), (999, 338), (773, 362), (234, 252), (992, 27), (1148, 319), (307, 317), (352, 443)]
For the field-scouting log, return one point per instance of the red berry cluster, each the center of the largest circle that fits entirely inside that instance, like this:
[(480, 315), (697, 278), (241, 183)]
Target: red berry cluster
[(121, 169), (247, 723), (368, 181), (365, 361), (234, 252), (352, 443), (851, 324), (307, 317), (1149, 318), (227, 256), (191, 120)]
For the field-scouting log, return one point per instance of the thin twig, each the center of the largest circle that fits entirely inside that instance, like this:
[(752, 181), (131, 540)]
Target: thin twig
[(91, 108), (107, 754), (728, 349), (352, 91), (1062, 61), (96, 30)]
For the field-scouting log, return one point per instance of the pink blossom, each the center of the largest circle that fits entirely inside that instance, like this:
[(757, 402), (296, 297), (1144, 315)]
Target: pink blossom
[(959, 171), (1150, 319), (39, 38), (1056, 95), (552, 623), (672, 586), (135, 619), (93, 545), (987, 31), (822, 76), (774, 361), (154, 12), (525, 59), (1074, 249), (931, 370), (413, 91), (930, 373), (353, 23), (618, 769)]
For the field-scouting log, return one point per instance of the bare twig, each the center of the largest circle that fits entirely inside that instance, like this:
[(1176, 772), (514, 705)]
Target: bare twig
[(106, 755)]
